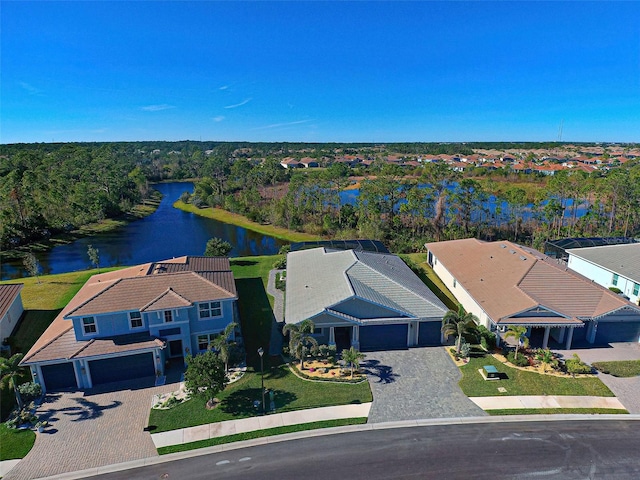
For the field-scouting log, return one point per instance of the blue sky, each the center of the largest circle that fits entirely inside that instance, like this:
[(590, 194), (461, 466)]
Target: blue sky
[(319, 71)]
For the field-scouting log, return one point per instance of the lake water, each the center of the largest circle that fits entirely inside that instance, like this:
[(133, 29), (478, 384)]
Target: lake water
[(167, 233)]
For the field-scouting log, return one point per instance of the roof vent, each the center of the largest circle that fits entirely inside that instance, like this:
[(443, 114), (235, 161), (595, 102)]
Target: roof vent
[(502, 245), (512, 252), (522, 257)]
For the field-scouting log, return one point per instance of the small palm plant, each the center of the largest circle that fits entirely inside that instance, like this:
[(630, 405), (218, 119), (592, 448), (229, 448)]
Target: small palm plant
[(520, 334), (10, 375), (222, 344), (546, 357), (300, 339), (352, 358), (459, 323)]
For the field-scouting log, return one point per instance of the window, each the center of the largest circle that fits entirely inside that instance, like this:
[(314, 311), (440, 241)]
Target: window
[(135, 319), (205, 340), (89, 325), (636, 288), (210, 309), (317, 331), (615, 279), (168, 316), (455, 283)]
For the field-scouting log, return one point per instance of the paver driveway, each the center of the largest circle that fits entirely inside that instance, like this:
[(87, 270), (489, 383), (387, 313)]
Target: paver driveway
[(415, 384), (91, 429)]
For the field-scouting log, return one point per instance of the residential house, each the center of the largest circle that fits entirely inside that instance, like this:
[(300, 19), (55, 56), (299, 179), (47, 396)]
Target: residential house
[(10, 308), (615, 266), (505, 284), (126, 324), (372, 301), (308, 162), (291, 163)]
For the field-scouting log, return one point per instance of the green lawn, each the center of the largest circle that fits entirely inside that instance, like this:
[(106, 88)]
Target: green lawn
[(556, 411), (291, 393), (622, 368), (241, 221), (261, 433), (418, 262), (15, 443), (520, 382)]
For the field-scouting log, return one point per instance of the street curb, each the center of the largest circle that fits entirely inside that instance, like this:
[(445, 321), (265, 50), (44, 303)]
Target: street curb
[(117, 467)]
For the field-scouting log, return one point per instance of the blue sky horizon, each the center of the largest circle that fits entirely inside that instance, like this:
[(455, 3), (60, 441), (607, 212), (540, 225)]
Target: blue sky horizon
[(370, 72)]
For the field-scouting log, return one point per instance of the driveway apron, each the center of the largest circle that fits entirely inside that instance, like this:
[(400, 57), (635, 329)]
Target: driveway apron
[(90, 429), (415, 384)]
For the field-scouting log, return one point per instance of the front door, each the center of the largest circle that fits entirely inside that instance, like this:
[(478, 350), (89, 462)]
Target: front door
[(343, 338), (175, 348)]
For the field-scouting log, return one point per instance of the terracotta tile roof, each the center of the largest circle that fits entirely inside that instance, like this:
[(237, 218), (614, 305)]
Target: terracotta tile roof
[(166, 300), (8, 294), (506, 279)]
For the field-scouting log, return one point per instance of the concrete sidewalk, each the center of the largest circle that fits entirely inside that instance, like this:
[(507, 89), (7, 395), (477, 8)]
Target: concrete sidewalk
[(546, 401), (231, 427)]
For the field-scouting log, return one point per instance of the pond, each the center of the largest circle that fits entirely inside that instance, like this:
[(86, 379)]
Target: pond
[(166, 233)]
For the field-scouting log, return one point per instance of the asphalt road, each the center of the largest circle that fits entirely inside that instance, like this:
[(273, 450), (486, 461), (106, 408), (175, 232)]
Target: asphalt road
[(540, 450)]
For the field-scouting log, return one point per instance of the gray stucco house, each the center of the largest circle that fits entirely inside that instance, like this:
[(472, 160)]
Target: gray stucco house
[(371, 301)]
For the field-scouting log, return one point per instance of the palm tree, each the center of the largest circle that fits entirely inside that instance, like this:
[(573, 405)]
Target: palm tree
[(300, 339), (459, 323), (520, 334), (352, 357), (10, 373), (222, 345)]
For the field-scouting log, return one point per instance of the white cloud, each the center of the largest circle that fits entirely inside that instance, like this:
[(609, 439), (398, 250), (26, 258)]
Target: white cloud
[(224, 87), (244, 102), (277, 125), (219, 118), (31, 90), (157, 108)]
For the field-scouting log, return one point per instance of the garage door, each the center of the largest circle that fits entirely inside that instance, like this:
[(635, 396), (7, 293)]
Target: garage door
[(429, 333), (122, 368), (618, 332), (59, 376), (383, 337)]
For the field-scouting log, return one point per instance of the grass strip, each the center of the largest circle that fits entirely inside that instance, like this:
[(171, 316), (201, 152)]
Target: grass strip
[(238, 437), (242, 221), (621, 368), (418, 263), (15, 443), (519, 382), (555, 411)]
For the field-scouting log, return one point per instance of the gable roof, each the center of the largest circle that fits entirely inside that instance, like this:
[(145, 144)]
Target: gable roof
[(506, 279), (621, 259), (8, 294), (319, 278), (191, 279)]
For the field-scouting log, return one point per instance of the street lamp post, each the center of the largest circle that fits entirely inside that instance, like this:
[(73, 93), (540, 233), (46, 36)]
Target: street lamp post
[(261, 353)]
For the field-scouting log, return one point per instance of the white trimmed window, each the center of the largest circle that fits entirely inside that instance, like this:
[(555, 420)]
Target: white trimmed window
[(615, 279), (205, 340), (135, 320), (89, 325), (210, 309), (168, 316), (636, 288)]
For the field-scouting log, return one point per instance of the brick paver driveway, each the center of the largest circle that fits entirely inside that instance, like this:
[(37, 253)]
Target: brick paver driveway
[(91, 429), (415, 384)]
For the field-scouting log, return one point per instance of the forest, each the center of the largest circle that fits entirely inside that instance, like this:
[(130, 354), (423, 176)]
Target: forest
[(47, 189)]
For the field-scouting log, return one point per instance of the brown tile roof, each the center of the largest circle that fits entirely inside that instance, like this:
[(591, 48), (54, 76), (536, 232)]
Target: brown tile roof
[(8, 294), (66, 347), (506, 279)]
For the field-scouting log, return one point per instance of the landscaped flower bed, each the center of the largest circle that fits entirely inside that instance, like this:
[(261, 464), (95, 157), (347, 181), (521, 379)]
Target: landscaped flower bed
[(324, 370)]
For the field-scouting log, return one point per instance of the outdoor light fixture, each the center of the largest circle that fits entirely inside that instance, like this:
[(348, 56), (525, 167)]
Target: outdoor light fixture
[(261, 353)]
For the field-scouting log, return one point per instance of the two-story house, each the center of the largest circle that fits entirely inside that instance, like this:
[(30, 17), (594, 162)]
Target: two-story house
[(125, 324)]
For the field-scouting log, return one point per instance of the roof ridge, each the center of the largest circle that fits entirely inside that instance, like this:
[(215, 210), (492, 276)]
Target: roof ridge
[(212, 283), (77, 307), (82, 347)]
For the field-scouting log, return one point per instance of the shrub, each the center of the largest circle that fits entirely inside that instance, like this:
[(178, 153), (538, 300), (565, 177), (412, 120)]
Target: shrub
[(576, 366), (521, 361), (487, 338), (30, 391), (280, 264), (465, 349), (615, 290)]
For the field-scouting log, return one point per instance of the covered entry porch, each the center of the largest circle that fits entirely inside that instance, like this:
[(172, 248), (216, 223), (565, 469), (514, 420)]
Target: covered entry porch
[(546, 335)]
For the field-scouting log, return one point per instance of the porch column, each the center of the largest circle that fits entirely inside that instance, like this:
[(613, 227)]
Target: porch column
[(332, 336), (561, 336), (545, 340), (36, 374), (569, 337), (355, 337), (159, 363)]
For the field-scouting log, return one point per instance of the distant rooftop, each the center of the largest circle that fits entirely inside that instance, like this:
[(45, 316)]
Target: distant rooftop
[(357, 245), (557, 248)]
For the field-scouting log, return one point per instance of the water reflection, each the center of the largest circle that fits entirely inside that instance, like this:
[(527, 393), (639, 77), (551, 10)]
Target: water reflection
[(167, 233)]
